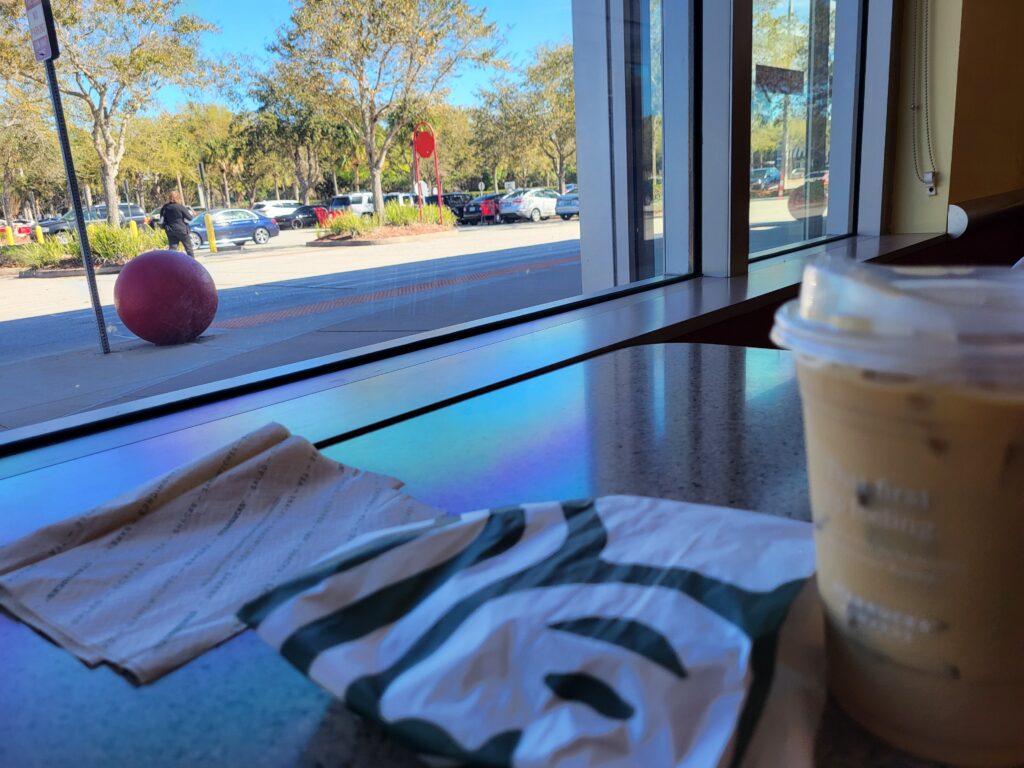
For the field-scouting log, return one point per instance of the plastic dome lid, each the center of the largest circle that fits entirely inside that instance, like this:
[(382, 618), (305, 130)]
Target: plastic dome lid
[(962, 324)]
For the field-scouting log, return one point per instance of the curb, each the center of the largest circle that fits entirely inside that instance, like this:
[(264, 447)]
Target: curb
[(382, 241), (112, 270)]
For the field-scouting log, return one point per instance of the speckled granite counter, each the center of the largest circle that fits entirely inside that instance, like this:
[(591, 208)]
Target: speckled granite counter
[(707, 424)]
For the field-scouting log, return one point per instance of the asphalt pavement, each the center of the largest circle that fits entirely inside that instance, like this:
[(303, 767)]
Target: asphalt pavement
[(285, 302), (55, 367)]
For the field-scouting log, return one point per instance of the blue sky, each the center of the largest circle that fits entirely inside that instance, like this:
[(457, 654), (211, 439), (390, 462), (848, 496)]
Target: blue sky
[(247, 26)]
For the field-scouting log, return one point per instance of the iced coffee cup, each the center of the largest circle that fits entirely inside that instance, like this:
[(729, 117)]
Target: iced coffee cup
[(912, 384)]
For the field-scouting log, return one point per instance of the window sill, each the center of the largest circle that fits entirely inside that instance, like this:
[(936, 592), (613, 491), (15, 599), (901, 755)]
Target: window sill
[(330, 407)]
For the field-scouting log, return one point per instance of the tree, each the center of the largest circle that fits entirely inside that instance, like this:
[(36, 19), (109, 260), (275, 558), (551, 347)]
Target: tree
[(28, 152), (377, 63), (553, 107), (115, 55), (503, 131)]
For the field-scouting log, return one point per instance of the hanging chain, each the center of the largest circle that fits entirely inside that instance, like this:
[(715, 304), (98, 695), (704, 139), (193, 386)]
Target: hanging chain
[(927, 76), (920, 70)]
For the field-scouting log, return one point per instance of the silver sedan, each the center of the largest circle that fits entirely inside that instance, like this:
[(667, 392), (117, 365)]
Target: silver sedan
[(568, 205)]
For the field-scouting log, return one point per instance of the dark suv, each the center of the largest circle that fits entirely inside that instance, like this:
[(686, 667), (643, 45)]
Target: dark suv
[(94, 215), (453, 201)]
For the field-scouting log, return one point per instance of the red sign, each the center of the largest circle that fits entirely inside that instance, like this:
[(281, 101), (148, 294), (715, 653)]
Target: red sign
[(44, 34), (424, 143)]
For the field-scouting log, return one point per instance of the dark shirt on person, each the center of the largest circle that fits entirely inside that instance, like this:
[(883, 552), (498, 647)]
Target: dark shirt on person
[(175, 216)]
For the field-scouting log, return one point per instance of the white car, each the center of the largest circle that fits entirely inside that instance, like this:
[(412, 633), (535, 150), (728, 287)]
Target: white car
[(402, 198), (568, 205), (360, 203), (272, 208), (534, 204)]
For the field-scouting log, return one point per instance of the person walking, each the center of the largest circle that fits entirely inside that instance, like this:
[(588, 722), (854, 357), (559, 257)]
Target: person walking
[(175, 219)]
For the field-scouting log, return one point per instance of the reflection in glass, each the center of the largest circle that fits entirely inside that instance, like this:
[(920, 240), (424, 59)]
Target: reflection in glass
[(791, 109), (647, 148)]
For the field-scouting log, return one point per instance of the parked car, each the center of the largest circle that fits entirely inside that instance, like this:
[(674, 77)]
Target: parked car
[(402, 198), (534, 204), (153, 217), (811, 197), (356, 202), (303, 216), (274, 208), (481, 209), (96, 214), (568, 205), (234, 225), (764, 181), (453, 201), (21, 228)]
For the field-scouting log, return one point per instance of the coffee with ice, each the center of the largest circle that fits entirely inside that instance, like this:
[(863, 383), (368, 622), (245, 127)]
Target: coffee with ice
[(912, 384)]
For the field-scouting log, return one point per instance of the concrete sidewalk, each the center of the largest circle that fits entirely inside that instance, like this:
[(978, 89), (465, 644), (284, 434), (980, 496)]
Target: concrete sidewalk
[(40, 387)]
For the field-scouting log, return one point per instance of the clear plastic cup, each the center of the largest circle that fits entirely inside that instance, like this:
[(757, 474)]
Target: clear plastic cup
[(912, 382)]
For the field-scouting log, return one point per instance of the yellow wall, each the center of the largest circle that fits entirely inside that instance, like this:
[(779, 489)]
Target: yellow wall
[(988, 138), (912, 209)]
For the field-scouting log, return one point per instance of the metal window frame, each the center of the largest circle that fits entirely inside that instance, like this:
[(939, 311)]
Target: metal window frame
[(701, 112), (725, 136), (862, 130)]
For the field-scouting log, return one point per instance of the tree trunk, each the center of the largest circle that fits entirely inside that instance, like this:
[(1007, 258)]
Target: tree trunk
[(277, 190), (108, 175), (375, 162), (295, 189), (334, 179), (181, 192), (227, 191), (561, 176), (88, 197), (5, 203), (494, 174), (357, 177), (35, 206)]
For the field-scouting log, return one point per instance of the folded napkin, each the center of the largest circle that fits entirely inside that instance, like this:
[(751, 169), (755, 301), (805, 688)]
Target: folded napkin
[(618, 632), (155, 577)]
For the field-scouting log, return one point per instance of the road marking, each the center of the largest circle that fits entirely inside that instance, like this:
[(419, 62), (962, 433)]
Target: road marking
[(304, 310)]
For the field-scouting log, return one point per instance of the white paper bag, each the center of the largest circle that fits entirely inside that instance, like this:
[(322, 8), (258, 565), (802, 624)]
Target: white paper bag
[(620, 632)]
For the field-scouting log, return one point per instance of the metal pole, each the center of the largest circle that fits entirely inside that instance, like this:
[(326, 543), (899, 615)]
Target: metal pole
[(76, 203), (440, 193)]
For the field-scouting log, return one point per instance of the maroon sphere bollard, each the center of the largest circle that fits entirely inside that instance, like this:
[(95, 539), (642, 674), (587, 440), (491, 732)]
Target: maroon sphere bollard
[(165, 297)]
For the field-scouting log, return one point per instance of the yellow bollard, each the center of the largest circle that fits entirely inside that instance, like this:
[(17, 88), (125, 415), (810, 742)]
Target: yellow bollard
[(134, 229), (39, 234), (211, 237), (9, 234)]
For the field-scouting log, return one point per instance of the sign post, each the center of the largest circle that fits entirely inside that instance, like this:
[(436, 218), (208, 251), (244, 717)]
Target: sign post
[(424, 145), (46, 49)]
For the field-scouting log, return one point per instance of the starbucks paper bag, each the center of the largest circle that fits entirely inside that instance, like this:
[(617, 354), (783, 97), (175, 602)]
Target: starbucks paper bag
[(618, 632)]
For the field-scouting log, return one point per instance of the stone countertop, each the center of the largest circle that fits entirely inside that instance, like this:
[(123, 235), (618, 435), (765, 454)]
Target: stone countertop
[(707, 424)]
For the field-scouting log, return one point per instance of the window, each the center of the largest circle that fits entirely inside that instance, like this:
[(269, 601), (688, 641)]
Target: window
[(798, 96), (597, 95)]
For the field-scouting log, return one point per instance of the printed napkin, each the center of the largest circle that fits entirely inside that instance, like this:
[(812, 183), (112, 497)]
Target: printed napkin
[(154, 578)]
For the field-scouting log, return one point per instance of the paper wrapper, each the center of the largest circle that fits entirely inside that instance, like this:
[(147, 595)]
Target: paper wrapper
[(619, 632), (154, 578)]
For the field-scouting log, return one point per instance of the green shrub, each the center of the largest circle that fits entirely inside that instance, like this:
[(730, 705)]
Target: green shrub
[(349, 223), (109, 245), (47, 254), (396, 215)]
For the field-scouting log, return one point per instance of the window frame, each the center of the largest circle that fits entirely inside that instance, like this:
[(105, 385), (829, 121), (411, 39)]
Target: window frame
[(699, 225)]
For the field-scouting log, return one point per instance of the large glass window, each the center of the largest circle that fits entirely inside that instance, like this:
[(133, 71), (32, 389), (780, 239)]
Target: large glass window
[(793, 55), (294, 134)]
